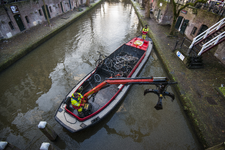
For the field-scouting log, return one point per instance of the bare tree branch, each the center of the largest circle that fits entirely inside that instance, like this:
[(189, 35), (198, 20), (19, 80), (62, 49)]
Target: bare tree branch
[(177, 9)]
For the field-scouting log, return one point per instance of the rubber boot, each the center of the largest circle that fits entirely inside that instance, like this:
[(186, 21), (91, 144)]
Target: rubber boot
[(81, 114)]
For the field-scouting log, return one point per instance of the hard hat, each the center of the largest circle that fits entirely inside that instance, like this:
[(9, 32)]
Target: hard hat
[(75, 95)]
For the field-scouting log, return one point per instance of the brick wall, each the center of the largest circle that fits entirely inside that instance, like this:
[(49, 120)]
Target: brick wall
[(197, 18), (20, 16)]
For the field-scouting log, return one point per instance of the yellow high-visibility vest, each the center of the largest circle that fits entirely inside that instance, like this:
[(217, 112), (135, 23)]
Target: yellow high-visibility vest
[(76, 101), (145, 30)]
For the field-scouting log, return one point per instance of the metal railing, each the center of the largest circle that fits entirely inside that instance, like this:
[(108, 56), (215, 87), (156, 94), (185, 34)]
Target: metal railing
[(204, 34), (212, 42), (214, 6), (182, 44)]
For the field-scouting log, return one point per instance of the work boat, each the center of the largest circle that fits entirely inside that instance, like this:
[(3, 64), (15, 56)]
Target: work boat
[(101, 97)]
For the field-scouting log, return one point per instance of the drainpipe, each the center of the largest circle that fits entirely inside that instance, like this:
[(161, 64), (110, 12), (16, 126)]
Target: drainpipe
[(6, 10), (46, 13)]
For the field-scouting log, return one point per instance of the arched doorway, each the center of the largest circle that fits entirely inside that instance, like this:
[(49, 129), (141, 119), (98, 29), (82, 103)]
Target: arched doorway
[(19, 22)]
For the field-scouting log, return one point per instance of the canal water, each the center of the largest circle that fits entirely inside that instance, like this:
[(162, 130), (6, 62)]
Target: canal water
[(32, 89)]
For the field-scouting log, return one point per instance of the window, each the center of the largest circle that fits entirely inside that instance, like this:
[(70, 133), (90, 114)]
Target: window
[(202, 29), (40, 12), (194, 31), (179, 22), (11, 25), (50, 8), (26, 17)]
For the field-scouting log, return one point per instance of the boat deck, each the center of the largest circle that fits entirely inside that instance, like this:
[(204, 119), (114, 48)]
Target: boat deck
[(99, 100), (118, 64)]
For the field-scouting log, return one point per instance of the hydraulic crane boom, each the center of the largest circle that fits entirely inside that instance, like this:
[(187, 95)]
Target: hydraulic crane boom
[(160, 82)]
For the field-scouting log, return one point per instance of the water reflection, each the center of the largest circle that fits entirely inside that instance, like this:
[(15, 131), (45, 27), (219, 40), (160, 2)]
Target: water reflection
[(136, 135)]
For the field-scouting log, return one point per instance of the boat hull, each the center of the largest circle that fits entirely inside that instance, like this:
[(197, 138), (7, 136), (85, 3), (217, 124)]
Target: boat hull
[(108, 98)]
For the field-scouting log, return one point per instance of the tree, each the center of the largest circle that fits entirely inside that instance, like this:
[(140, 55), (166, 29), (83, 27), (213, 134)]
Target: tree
[(143, 3), (88, 3), (147, 9), (176, 11)]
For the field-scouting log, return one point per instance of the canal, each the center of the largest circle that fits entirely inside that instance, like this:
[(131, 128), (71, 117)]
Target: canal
[(32, 89)]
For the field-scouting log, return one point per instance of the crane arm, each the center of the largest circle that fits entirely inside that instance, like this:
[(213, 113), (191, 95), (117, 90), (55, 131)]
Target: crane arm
[(109, 81), (160, 82)]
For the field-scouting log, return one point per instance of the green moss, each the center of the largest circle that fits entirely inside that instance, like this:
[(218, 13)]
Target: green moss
[(222, 90)]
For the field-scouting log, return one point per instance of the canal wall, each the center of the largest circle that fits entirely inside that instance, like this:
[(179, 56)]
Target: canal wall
[(203, 105), (19, 16), (12, 49)]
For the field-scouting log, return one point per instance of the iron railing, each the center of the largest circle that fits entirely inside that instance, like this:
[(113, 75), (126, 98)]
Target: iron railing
[(215, 6)]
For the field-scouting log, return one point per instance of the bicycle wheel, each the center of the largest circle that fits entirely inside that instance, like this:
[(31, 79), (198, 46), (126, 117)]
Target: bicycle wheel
[(98, 62), (118, 66), (128, 70), (108, 63), (97, 78)]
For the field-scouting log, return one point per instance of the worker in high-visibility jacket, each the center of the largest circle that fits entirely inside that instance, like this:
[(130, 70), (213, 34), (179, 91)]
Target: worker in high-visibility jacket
[(144, 32), (76, 101)]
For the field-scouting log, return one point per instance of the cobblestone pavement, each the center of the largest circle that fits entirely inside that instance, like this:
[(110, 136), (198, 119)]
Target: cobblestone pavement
[(202, 103), (204, 106)]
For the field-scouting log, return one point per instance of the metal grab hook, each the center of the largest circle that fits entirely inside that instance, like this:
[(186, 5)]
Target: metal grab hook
[(161, 92)]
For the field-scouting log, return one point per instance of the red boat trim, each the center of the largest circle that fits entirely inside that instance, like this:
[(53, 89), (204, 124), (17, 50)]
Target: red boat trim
[(85, 118)]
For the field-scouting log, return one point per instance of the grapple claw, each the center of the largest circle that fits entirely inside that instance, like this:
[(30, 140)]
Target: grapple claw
[(158, 106), (151, 91), (170, 95)]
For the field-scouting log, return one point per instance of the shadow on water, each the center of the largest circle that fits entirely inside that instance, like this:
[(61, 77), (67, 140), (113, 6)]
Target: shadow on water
[(60, 143), (136, 135)]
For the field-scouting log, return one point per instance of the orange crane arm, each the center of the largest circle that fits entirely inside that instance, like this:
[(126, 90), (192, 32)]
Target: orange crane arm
[(160, 82), (149, 80)]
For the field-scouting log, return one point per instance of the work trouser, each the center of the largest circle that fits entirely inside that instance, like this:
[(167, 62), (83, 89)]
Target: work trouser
[(80, 109), (143, 36)]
